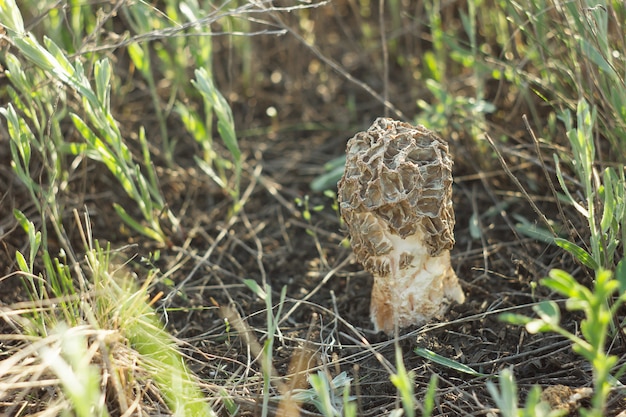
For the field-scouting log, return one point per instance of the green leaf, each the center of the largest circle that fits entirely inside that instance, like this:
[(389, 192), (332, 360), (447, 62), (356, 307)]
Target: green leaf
[(533, 231), (149, 167), (21, 262), (549, 312), (568, 196), (99, 151), (22, 220), (256, 288), (430, 61), (137, 55), (605, 285), (578, 252), (319, 383), (620, 276), (537, 326), (19, 132), (225, 124), (151, 233), (404, 382), (208, 169), (429, 399), (614, 204), (588, 49), (563, 283), (102, 75), (61, 66), (35, 243), (340, 161), (227, 132), (506, 397), (327, 180), (516, 319), (144, 201), (474, 226), (31, 49), (11, 17), (449, 363), (193, 123)]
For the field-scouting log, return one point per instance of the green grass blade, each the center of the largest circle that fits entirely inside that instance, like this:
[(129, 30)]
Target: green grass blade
[(448, 363), (506, 396), (429, 398), (620, 276), (579, 253), (404, 382), (144, 230)]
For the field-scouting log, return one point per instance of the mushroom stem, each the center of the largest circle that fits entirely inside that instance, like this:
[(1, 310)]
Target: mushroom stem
[(415, 293)]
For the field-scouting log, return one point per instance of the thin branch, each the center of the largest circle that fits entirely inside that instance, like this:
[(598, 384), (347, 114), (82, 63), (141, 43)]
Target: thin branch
[(519, 185)]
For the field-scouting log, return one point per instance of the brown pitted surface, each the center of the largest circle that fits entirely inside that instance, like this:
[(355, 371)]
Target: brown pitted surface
[(401, 175)]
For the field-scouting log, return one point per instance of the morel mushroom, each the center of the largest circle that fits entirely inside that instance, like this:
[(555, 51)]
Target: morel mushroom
[(395, 198)]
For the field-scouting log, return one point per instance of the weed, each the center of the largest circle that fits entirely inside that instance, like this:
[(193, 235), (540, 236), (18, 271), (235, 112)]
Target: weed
[(449, 363), (607, 193), (594, 328), (90, 321), (404, 382), (214, 167), (506, 399), (265, 352), (449, 111), (103, 139), (330, 397), (70, 361)]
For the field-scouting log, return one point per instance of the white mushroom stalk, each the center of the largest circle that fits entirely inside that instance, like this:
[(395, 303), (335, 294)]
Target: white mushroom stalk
[(395, 198)]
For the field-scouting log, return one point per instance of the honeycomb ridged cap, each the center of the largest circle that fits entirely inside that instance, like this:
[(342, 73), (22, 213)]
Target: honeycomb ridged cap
[(397, 179)]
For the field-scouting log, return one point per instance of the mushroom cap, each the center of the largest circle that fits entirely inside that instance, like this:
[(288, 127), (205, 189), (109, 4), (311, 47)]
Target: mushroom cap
[(398, 181)]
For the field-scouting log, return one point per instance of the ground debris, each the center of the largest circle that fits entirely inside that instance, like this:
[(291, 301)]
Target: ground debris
[(562, 397)]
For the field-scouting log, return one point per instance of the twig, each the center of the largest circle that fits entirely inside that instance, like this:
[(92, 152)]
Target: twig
[(244, 198), (545, 171), (519, 185)]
